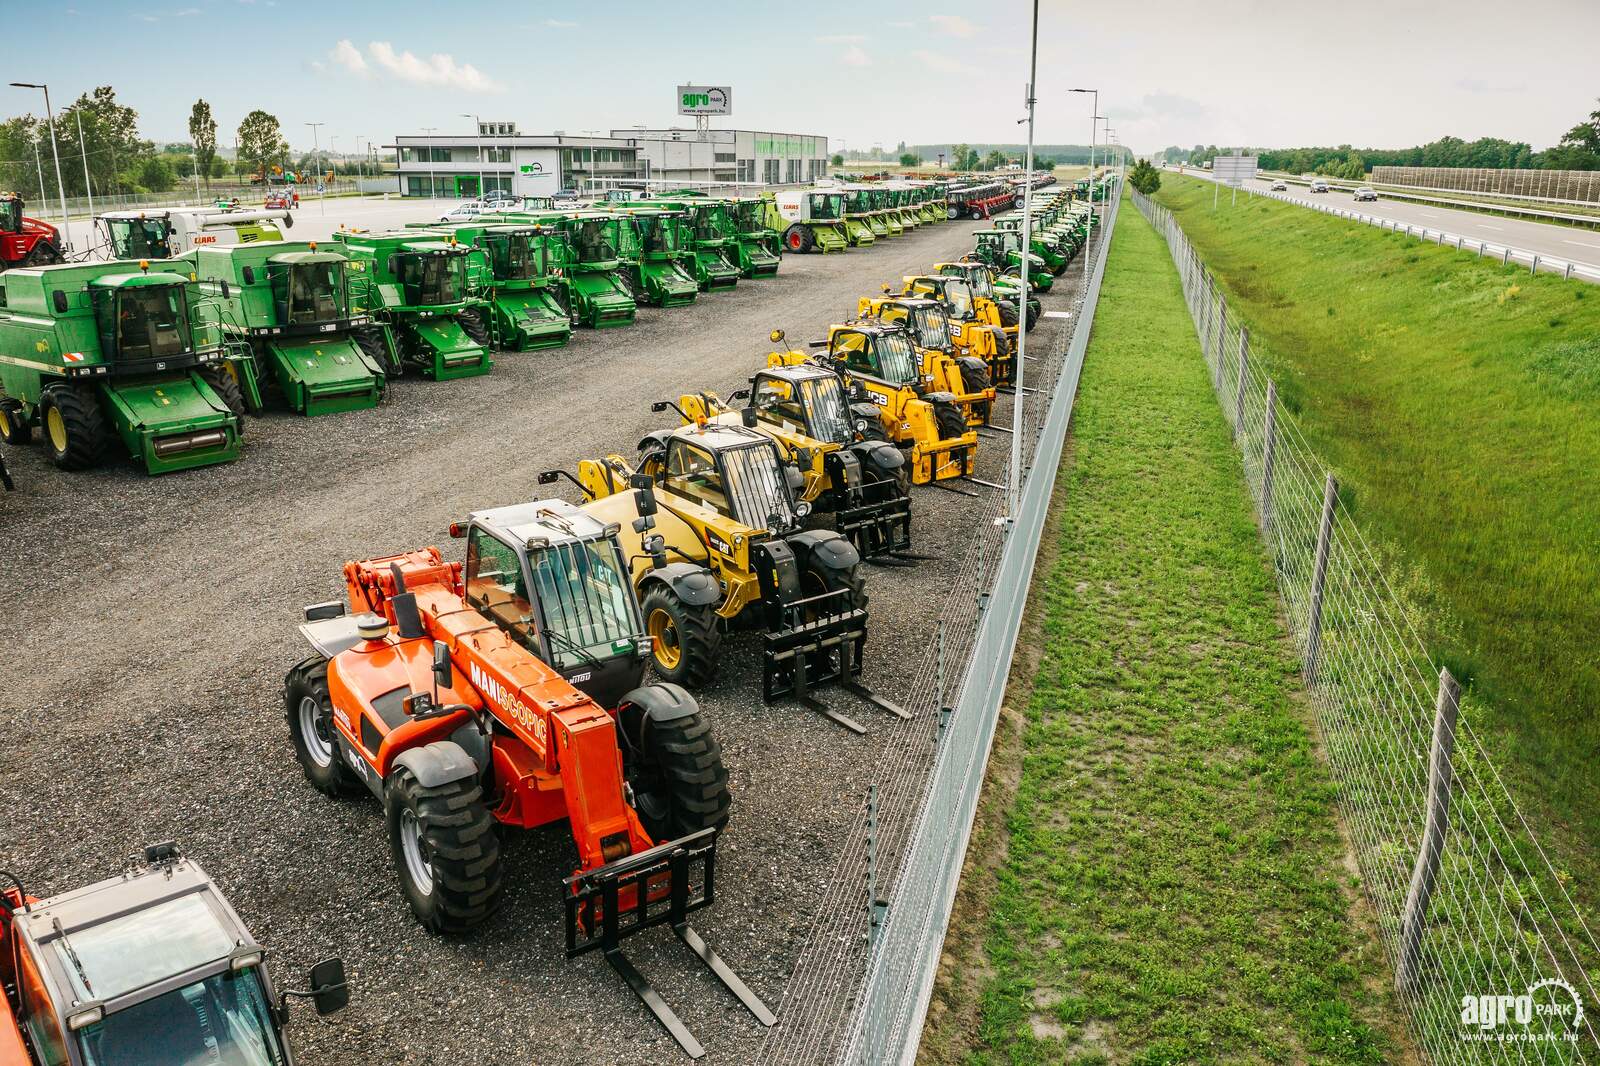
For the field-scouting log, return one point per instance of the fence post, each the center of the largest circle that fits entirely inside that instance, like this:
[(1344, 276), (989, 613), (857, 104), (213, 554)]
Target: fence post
[(1567, 273), (1505, 256), (944, 709), (1425, 874), (1483, 246), (1269, 435), (1319, 580), (875, 906), (1222, 335), (1533, 266), (1244, 372)]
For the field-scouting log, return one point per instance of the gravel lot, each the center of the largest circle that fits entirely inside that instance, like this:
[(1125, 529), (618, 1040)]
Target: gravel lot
[(154, 619)]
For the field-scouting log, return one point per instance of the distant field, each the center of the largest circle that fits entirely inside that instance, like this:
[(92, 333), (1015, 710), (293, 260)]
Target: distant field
[(1459, 403), (1156, 876)]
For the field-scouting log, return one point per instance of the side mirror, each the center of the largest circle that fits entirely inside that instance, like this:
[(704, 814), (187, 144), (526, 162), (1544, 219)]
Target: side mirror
[(443, 675), (747, 415), (226, 291), (644, 501), (249, 275), (59, 300), (329, 990), (739, 394), (659, 406), (288, 222), (548, 477)]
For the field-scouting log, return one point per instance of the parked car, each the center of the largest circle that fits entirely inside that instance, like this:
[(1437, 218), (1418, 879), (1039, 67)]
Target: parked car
[(463, 212), (1318, 185), (1366, 193), (501, 202), (1280, 186)]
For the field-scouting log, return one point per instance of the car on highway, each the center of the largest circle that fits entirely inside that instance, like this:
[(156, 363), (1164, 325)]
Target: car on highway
[(1366, 193), (1280, 186), (1318, 185)]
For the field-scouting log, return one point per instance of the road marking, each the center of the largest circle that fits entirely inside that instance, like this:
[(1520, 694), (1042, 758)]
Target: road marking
[(1486, 225), (1586, 244), (1431, 214), (1058, 314)]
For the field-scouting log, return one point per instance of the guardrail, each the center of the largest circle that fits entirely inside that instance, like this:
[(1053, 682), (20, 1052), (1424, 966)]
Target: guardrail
[(1469, 908), (1505, 253)]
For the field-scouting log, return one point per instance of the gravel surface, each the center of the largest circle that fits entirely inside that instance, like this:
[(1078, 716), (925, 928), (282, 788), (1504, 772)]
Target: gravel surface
[(154, 618)]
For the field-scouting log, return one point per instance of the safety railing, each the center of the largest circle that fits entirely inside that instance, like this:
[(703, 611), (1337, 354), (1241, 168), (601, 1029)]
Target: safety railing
[(1489, 953)]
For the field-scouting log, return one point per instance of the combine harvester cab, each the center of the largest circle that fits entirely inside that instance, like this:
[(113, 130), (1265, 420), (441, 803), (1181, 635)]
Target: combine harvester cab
[(757, 224), (25, 241), (883, 210), (92, 349), (974, 323), (152, 966), (291, 304), (857, 216), (428, 288), (722, 496), (602, 297), (509, 690), (653, 248), (169, 234), (901, 206), (851, 472), (964, 376), (878, 364), (712, 233), (1001, 250), (813, 220), (528, 263)]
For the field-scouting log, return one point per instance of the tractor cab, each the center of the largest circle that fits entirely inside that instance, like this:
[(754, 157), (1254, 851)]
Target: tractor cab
[(431, 273), (554, 578), (10, 213), (976, 275), (733, 471), (138, 237), (804, 400), (150, 967), (925, 318), (309, 289), (142, 318), (878, 350)]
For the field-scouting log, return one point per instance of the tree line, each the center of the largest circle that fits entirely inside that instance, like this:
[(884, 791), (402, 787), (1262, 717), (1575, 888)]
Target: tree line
[(1578, 149), (97, 139)]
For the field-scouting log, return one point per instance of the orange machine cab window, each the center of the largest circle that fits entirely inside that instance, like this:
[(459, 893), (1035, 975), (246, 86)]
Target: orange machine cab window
[(496, 588)]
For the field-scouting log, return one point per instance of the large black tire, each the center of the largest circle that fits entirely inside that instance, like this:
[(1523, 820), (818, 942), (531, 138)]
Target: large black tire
[(679, 783), (875, 430), (472, 325), (816, 579), (1034, 311), (226, 386), (370, 340), (977, 379), (899, 477), (1008, 312), (445, 851), (75, 427), (950, 421), (14, 425), (799, 238), (686, 639), (309, 714)]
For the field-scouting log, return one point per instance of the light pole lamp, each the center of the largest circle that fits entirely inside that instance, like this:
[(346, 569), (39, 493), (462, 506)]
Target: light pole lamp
[(50, 118), (433, 189), (1096, 114), (478, 122)]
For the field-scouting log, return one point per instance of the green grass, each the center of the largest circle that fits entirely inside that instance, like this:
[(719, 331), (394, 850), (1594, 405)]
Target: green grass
[(1457, 401), (1171, 888)]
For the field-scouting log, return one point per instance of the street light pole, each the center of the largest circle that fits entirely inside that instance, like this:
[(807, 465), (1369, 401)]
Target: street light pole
[(1014, 478), (1094, 125), (316, 149), (479, 123), (50, 119), (433, 189), (83, 147)]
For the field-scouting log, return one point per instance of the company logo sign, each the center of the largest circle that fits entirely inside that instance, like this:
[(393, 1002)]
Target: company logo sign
[(1550, 1010), (705, 100)]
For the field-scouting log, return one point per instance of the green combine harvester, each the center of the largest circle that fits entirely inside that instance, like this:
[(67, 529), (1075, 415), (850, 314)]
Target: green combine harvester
[(713, 233), (858, 218), (602, 296), (658, 257), (1001, 250), (291, 304), (92, 351), (430, 290), (756, 226), (528, 264)]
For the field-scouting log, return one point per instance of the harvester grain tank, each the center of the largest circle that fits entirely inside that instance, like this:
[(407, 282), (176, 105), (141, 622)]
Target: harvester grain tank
[(92, 351), (431, 290), (813, 219), (155, 234), (25, 241), (291, 304), (152, 966)]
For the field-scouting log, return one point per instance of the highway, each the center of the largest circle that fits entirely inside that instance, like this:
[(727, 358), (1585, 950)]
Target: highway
[(1551, 243)]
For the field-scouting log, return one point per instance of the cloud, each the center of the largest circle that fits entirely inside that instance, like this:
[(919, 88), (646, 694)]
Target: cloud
[(349, 57), (439, 69), (1478, 85), (940, 62), (843, 38), (854, 56), (560, 24), (953, 26), (901, 25)]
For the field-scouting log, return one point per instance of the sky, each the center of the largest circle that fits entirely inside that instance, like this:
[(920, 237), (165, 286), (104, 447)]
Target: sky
[(1372, 73)]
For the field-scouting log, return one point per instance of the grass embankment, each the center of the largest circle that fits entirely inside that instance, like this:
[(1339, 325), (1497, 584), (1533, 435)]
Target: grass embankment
[(1160, 837), (1457, 401)]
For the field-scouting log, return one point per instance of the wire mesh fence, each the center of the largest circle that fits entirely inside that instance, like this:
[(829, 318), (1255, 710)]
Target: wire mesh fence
[(1489, 953), (865, 975)]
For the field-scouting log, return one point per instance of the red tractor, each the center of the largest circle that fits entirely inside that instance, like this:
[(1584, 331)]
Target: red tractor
[(25, 241), (507, 691)]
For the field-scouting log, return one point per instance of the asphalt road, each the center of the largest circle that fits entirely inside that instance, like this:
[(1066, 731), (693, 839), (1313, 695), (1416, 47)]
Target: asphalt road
[(1564, 243), (150, 622)]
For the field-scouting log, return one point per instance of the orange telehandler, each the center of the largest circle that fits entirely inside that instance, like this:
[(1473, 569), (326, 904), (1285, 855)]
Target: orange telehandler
[(507, 691)]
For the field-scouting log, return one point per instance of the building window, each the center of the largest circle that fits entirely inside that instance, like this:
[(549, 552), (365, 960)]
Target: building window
[(793, 171), (724, 157), (497, 155), (769, 171)]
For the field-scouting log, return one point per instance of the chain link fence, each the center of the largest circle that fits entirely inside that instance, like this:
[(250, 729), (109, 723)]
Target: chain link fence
[(862, 984), (1488, 951)]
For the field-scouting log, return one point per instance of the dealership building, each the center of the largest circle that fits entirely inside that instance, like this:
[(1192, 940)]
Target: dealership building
[(500, 159)]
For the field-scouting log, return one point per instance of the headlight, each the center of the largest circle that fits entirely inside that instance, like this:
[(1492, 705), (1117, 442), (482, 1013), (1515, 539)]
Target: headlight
[(861, 425)]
